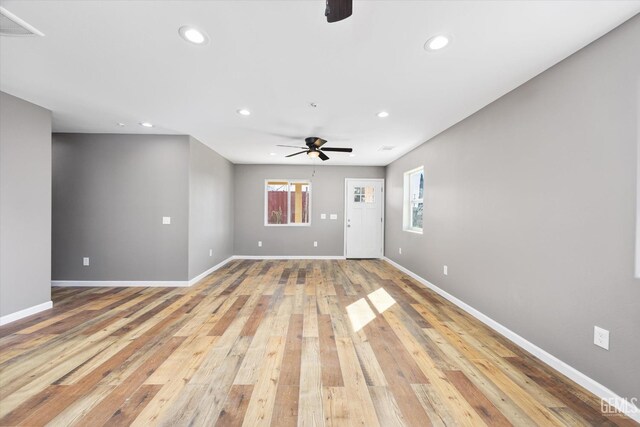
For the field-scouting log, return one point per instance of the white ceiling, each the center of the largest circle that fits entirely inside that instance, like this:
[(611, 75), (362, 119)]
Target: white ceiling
[(104, 62)]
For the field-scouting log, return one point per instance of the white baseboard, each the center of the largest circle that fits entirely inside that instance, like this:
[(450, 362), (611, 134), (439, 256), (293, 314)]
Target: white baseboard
[(139, 283), (612, 399), (209, 271), (25, 313), (288, 257), (121, 283)]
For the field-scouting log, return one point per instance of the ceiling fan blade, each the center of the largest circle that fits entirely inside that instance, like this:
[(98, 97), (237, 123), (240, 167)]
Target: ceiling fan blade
[(338, 10), (290, 146), (295, 154), (323, 156), (341, 150)]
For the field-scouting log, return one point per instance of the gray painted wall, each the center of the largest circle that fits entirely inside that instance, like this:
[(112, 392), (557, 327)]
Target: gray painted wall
[(531, 204), (211, 190), (25, 204), (327, 196), (110, 193)]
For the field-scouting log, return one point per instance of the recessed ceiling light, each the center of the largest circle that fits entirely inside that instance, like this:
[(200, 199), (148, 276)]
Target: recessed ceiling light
[(272, 154), (146, 124), (383, 114), (436, 42), (120, 124), (244, 112), (352, 155), (193, 35)]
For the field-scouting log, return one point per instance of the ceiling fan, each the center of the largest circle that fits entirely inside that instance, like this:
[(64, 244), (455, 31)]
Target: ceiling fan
[(314, 148), (337, 10)]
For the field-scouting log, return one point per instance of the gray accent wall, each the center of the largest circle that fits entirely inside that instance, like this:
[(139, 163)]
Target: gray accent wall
[(110, 192), (25, 204), (327, 196), (211, 192), (531, 203)]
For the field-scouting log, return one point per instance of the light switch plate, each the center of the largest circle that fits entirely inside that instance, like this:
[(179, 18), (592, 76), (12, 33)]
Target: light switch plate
[(333, 216), (315, 244), (85, 261), (259, 243), (323, 216), (166, 220), (445, 270), (210, 252)]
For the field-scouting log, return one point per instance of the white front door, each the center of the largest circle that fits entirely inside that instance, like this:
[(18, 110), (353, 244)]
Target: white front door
[(364, 222)]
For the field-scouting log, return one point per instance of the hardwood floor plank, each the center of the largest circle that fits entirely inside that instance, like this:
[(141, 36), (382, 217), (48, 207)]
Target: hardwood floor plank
[(330, 364), (361, 410), (489, 413), (224, 322), (232, 415), (285, 409), (335, 407), (262, 401), (310, 402), (254, 321), (387, 408), (290, 373), (131, 407)]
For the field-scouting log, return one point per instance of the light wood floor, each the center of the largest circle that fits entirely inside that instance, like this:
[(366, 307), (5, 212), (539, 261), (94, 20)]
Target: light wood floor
[(276, 343)]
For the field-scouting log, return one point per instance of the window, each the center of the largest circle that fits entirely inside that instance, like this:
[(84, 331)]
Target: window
[(363, 195), (287, 202), (413, 200)]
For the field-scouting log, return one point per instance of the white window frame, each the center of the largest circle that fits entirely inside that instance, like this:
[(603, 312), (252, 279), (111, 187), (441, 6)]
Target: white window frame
[(406, 202), (266, 203)]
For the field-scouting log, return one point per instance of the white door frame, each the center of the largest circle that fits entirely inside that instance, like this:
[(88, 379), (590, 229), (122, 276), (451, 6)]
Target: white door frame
[(346, 200)]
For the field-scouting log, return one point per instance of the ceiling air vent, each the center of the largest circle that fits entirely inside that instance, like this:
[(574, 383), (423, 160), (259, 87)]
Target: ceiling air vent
[(11, 25), (386, 148)]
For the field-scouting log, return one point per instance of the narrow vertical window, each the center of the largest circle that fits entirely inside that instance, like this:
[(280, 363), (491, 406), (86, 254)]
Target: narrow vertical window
[(413, 206)]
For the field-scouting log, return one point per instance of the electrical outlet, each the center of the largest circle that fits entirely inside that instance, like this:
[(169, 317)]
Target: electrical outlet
[(333, 216), (601, 337), (166, 220), (210, 252), (315, 244), (85, 261), (323, 216), (445, 270), (400, 251), (259, 243)]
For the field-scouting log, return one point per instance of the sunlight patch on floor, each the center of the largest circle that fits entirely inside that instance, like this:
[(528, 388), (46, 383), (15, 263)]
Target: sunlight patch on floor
[(360, 313)]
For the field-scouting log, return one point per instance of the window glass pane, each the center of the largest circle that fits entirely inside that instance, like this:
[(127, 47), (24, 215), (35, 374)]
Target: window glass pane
[(368, 195), (416, 215), (358, 194), (277, 202), (299, 196), (416, 186)]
